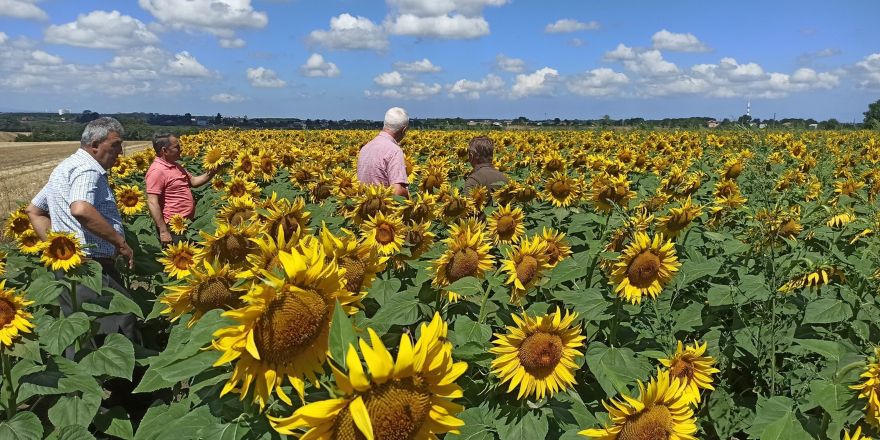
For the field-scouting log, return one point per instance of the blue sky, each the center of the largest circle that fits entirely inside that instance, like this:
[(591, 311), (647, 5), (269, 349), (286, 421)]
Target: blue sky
[(442, 58)]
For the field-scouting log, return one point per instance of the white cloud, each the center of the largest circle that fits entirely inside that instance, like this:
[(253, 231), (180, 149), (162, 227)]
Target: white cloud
[(316, 66), (423, 66), (102, 30), (221, 18), (226, 98), (809, 57), (665, 40), (185, 64), (810, 77), (567, 25), (348, 32), (650, 63), (232, 43), (3, 37), (597, 82), (449, 19), (507, 64), (869, 69), (472, 89), (620, 53), (262, 77), (40, 57), (148, 57), (25, 9), (416, 90), (430, 8), (741, 72), (389, 79), (537, 83)]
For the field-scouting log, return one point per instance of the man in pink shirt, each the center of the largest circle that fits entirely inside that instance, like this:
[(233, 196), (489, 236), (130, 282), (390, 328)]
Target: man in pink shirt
[(381, 161), (168, 185)]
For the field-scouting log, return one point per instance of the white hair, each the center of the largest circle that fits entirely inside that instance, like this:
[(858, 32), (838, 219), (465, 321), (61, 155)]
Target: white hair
[(99, 129), (396, 119)]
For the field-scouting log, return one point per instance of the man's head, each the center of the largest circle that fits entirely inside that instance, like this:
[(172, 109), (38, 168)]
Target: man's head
[(167, 146), (102, 139), (480, 150), (396, 122)]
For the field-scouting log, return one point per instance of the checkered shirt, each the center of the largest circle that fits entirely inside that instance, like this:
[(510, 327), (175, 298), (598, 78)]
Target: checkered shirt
[(80, 178)]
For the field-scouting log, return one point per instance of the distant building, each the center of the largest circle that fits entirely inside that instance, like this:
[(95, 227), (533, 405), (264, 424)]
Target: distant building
[(711, 123), (813, 126), (472, 123), (201, 122)]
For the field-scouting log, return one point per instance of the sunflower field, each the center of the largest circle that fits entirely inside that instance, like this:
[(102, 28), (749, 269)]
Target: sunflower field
[(622, 285)]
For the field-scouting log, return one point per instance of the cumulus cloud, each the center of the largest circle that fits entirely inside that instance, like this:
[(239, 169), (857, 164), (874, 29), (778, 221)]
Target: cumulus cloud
[(389, 79), (226, 98), (597, 82), (416, 90), (232, 43), (538, 82), (348, 32), (102, 30), (665, 40), (187, 65), (568, 25), (650, 63), (429, 8), (221, 18), (3, 37), (472, 89), (620, 53), (266, 78), (447, 19), (868, 68), (40, 57), (316, 66), (24, 9), (422, 66), (507, 64)]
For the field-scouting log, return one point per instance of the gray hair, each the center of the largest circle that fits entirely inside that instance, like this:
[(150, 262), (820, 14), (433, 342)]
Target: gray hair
[(162, 140), (481, 149), (396, 119), (99, 129)]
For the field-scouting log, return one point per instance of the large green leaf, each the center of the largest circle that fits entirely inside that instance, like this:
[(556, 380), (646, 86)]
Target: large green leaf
[(71, 432), (89, 275), (467, 330), (341, 335), (45, 290), (616, 368), (225, 431), (836, 399), (402, 309), (157, 420), (111, 303), (61, 333), (71, 410), (591, 303), (468, 287), (775, 419), (22, 426), (479, 422), (115, 358), (827, 310), (115, 422), (382, 290), (529, 425)]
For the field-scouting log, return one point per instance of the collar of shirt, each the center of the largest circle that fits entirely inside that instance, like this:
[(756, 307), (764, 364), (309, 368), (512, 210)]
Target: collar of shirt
[(388, 135), (165, 163), (483, 165), (85, 156)]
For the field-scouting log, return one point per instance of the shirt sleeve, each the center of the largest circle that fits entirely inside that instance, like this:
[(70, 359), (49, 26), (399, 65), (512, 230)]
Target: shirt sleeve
[(155, 183), (41, 200), (83, 186), (397, 169)]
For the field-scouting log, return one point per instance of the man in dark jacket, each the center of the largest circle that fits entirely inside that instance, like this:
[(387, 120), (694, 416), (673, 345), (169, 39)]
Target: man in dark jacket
[(480, 153)]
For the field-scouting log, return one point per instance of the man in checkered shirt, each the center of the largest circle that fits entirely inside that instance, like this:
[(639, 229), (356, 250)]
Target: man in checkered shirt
[(79, 199)]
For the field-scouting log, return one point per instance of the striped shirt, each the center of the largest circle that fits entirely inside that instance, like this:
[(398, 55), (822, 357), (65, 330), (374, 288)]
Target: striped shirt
[(80, 178), (381, 162)]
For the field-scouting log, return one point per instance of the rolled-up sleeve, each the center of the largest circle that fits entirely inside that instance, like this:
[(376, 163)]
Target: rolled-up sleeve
[(397, 168), (83, 186), (41, 200)]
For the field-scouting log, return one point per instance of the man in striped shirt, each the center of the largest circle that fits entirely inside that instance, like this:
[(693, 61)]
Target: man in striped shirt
[(381, 161)]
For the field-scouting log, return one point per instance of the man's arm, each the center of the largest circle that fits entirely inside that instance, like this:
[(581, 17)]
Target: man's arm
[(400, 189), (396, 171), (92, 220), (39, 220), (158, 219)]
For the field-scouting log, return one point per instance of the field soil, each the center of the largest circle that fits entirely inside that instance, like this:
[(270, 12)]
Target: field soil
[(9, 136), (25, 167)]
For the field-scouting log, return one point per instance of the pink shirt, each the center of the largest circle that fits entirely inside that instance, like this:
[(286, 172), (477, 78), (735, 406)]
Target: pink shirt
[(381, 162), (170, 182)]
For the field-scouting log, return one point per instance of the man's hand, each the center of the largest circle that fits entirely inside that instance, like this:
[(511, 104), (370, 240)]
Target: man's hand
[(165, 238), (125, 251)]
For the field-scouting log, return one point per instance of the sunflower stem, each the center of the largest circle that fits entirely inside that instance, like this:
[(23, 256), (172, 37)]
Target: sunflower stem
[(612, 338), (11, 403), (483, 304), (74, 307), (596, 257)]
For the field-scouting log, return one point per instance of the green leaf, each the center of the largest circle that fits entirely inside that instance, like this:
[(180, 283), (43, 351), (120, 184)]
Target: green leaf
[(402, 309), (478, 424), (826, 310), (831, 350), (775, 419), (615, 367), (834, 399), (115, 358), (720, 295), (75, 410), (530, 425), (45, 290), (115, 422), (114, 303), (89, 275), (228, 431), (694, 270), (71, 432), (61, 333), (22, 426), (467, 330), (164, 376), (382, 290), (467, 287), (341, 335), (590, 303), (690, 318), (569, 269), (27, 349)]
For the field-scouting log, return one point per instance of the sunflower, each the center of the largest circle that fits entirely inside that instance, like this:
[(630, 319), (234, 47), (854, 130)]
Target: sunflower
[(678, 218), (3, 256), (212, 158), (644, 267), (13, 318), (288, 215), (61, 251), (385, 233), (732, 169), (345, 183), (538, 354), (29, 242), (321, 189), (560, 190), (660, 411), (467, 254), (206, 288), (435, 174), (283, 329), (18, 223), (453, 205), (506, 224), (240, 186), (840, 220), (179, 259), (265, 257), (238, 211), (372, 200), (244, 165), (360, 260), (789, 225), (419, 208), (813, 279), (869, 389), (479, 198), (690, 365), (130, 199), (407, 399), (177, 223), (608, 190), (229, 244), (856, 435), (266, 165), (525, 265), (557, 247), (419, 239)]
